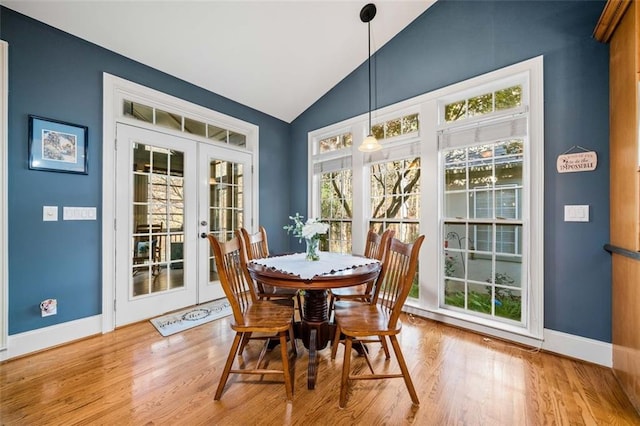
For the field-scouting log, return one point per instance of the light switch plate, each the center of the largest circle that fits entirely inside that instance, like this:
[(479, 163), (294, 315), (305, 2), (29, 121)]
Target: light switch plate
[(79, 213), (576, 213), (49, 213)]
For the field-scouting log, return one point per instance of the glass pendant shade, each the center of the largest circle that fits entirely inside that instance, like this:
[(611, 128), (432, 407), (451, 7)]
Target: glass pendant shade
[(369, 144)]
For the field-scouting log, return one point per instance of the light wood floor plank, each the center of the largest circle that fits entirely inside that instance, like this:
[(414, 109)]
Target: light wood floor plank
[(134, 376)]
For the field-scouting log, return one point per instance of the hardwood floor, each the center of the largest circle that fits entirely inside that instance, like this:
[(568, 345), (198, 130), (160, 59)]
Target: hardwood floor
[(135, 376)]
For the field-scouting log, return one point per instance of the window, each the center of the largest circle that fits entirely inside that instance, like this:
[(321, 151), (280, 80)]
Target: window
[(464, 166), (335, 190), (396, 127), (395, 202), (482, 260), (395, 197), (174, 121), (485, 103), (336, 210)]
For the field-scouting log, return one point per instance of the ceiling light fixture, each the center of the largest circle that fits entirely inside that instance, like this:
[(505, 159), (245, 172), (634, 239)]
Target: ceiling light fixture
[(370, 143)]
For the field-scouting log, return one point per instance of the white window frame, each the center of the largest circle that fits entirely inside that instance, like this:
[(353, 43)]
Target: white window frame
[(428, 107)]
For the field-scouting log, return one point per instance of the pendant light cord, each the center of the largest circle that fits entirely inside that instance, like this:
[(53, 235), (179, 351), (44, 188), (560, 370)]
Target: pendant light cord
[(369, 64)]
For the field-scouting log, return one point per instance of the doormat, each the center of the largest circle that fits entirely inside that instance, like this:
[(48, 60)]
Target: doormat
[(192, 317)]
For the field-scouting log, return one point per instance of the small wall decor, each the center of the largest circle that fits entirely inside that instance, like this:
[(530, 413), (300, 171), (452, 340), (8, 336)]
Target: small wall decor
[(57, 146), (583, 161)]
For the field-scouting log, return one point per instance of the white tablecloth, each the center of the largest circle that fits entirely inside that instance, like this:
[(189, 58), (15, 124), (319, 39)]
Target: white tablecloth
[(296, 264)]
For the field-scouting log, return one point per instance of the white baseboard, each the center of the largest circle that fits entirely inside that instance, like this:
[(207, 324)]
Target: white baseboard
[(564, 344), (578, 347), (48, 337)]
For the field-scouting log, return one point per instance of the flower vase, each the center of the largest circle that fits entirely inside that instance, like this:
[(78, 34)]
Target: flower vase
[(312, 249)]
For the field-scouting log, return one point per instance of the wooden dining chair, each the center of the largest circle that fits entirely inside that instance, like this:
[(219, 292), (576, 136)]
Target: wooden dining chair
[(375, 248), (147, 245), (379, 318), (270, 319), (257, 247)]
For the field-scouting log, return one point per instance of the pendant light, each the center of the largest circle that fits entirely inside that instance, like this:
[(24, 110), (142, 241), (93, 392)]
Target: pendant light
[(370, 143)]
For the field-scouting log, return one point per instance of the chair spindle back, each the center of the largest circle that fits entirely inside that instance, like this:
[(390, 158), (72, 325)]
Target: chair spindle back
[(234, 276), (377, 244), (256, 244), (396, 278)]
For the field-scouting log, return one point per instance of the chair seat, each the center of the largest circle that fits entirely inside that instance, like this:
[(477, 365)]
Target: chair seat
[(360, 320), (266, 316)]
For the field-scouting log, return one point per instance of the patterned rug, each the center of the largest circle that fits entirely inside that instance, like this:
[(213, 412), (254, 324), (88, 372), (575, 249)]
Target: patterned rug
[(192, 317)]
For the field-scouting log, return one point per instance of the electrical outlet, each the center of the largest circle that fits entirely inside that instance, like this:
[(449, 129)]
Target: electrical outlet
[(49, 307)]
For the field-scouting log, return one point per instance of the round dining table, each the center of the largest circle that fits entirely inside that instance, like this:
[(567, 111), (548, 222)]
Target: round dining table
[(333, 270)]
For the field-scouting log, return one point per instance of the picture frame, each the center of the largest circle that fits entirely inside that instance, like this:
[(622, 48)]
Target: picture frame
[(57, 146)]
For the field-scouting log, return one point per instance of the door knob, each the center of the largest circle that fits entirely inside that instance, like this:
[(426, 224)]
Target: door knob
[(203, 235)]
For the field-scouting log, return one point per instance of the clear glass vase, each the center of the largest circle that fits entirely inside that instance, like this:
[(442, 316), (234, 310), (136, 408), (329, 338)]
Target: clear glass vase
[(312, 249)]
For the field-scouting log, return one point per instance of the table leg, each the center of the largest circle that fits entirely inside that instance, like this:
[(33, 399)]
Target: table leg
[(312, 369), (315, 329)]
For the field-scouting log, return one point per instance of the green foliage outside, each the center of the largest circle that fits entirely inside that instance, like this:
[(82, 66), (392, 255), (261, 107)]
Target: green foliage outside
[(484, 104), (508, 307)]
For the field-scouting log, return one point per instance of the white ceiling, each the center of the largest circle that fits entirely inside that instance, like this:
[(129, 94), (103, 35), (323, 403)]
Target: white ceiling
[(278, 57)]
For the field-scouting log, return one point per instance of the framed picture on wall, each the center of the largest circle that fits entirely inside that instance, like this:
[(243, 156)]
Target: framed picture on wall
[(57, 146)]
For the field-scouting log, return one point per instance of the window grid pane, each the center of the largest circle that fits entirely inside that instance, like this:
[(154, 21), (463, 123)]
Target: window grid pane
[(336, 204), (395, 201), (482, 254)]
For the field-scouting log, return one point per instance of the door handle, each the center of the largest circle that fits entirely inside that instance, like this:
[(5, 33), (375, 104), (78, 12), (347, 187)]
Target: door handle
[(203, 235)]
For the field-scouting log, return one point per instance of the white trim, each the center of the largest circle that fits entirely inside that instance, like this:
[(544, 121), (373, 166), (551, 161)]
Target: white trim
[(578, 347), (48, 337), (564, 344), (114, 90), (4, 203)]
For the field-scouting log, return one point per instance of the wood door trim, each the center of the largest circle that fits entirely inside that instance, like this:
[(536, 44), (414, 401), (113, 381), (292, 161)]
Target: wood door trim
[(609, 19)]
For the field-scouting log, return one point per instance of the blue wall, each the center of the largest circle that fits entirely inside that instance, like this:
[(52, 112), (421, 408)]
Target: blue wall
[(55, 75), (456, 40)]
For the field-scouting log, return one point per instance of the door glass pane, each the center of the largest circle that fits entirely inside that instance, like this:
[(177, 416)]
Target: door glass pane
[(226, 204), (158, 215)]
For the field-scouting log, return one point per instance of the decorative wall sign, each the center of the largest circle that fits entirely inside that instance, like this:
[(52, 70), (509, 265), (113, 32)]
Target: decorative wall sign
[(57, 146), (584, 161)]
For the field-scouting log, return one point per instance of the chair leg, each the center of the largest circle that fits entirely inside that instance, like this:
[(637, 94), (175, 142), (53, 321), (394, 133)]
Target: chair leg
[(245, 339), (344, 382), (292, 337), (227, 366), (404, 369), (385, 348), (332, 298), (336, 342), (286, 370)]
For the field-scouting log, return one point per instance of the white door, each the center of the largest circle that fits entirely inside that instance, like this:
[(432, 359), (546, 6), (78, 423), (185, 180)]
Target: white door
[(165, 199), (225, 205)]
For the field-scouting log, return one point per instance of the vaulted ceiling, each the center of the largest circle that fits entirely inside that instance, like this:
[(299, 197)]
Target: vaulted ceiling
[(278, 57)]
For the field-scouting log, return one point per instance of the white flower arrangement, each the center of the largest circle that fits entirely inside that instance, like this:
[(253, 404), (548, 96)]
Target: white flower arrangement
[(310, 230)]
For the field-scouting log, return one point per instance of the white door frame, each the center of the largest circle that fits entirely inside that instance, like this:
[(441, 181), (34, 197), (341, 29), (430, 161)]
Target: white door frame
[(4, 243), (114, 90)]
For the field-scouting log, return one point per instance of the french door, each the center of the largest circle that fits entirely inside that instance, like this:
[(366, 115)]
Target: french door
[(170, 192), (225, 205)]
